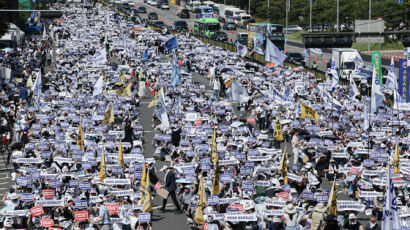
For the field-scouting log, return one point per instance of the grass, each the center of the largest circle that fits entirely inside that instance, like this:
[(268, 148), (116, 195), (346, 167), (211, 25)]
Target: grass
[(296, 36), (398, 45), (387, 45)]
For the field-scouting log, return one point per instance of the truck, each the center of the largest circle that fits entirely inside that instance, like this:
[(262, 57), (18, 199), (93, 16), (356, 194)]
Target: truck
[(348, 62)]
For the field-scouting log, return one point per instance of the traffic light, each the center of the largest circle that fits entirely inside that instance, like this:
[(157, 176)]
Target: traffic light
[(406, 41), (328, 42)]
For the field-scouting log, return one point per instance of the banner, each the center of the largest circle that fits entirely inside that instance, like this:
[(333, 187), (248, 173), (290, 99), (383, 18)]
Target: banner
[(112, 208), (408, 77), (50, 203), (48, 194), (81, 215), (240, 217), (37, 211), (47, 223), (401, 88), (377, 63), (144, 217), (117, 181)]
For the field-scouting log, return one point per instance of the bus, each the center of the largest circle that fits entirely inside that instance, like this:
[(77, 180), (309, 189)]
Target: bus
[(233, 14), (204, 12), (259, 31), (206, 26)]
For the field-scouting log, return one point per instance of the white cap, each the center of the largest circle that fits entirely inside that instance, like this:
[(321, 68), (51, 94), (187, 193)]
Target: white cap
[(352, 216)]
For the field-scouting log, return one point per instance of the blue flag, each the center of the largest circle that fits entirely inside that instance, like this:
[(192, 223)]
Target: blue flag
[(145, 55), (171, 44), (176, 73)]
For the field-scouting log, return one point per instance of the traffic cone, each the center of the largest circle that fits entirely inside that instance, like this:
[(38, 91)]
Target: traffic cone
[(316, 59), (324, 62)]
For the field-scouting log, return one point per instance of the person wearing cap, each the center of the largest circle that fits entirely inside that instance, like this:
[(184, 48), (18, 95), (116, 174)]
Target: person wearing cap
[(372, 225), (103, 218), (318, 215), (331, 171), (170, 186), (352, 224), (290, 217), (276, 224)]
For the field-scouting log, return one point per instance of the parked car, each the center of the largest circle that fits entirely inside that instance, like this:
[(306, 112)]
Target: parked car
[(164, 6), (142, 10), (159, 3), (152, 16), (152, 2), (292, 29), (295, 58), (159, 24), (184, 13), (247, 22), (229, 26), (219, 36), (180, 25), (221, 19), (242, 38)]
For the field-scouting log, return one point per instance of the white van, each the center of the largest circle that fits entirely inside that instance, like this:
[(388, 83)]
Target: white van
[(208, 3)]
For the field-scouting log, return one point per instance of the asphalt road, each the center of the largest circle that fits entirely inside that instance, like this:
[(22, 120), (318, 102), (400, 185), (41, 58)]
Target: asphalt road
[(169, 16)]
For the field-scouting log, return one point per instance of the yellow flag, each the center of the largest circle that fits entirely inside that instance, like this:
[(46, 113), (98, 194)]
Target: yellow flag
[(215, 182), (214, 149), (124, 91), (147, 204), (155, 100), (29, 83), (278, 130), (80, 140), (143, 184), (396, 161), (229, 82), (109, 117), (283, 169), (121, 156), (308, 112), (104, 76), (332, 202), (103, 175), (140, 74), (121, 78), (199, 216)]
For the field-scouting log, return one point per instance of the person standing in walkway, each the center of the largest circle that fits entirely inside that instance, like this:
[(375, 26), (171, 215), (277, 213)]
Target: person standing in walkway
[(170, 186), (103, 218)]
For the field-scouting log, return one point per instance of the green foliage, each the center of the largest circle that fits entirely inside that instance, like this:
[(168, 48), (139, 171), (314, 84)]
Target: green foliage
[(324, 11), (3, 24)]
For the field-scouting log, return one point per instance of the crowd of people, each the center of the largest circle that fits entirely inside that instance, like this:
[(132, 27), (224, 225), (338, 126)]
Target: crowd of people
[(259, 147)]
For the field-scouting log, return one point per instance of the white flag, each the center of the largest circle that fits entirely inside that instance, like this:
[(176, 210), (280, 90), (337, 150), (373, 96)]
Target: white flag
[(399, 102), (377, 95), (100, 57), (98, 88), (366, 119), (241, 49), (239, 93), (353, 89), (161, 111), (273, 54), (391, 220), (391, 78), (335, 75)]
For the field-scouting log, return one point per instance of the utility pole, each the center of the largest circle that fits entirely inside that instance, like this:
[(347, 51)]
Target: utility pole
[(337, 17), (368, 24), (287, 12), (268, 11), (249, 7), (310, 13)]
